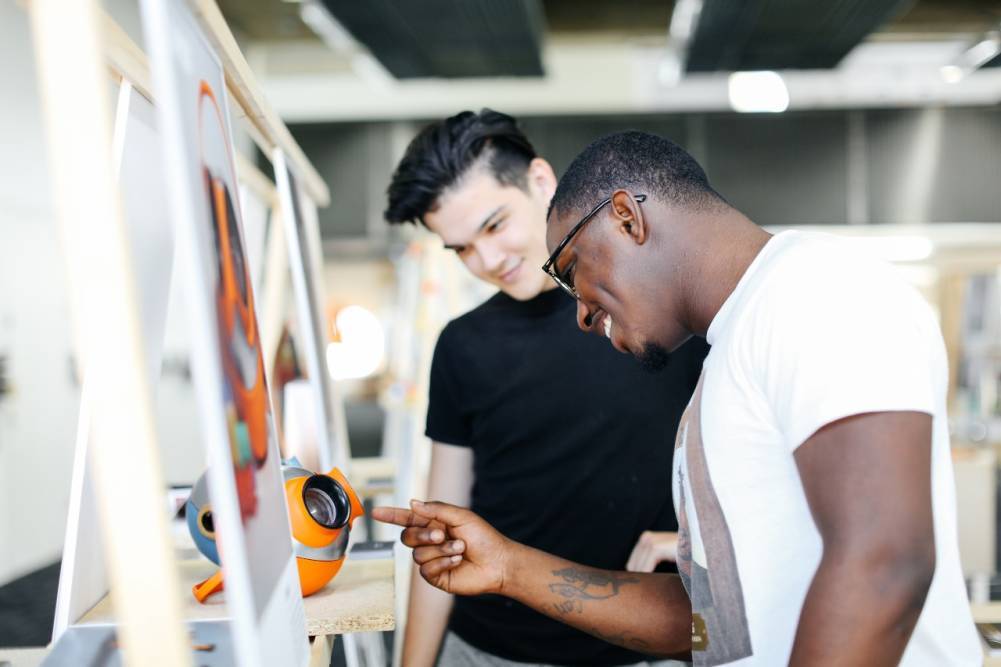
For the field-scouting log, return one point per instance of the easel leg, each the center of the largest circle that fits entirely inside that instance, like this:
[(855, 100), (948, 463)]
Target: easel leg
[(351, 650), (373, 649), (321, 650)]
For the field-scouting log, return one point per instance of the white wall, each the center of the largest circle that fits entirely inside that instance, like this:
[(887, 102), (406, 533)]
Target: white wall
[(38, 419)]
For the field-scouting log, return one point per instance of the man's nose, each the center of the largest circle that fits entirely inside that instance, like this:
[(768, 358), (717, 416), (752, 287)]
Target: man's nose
[(491, 257)]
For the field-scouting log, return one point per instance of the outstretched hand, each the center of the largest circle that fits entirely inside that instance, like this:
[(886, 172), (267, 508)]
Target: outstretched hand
[(457, 551)]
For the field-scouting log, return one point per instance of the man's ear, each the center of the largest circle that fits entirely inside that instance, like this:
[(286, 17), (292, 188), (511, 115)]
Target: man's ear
[(542, 178), (628, 216)]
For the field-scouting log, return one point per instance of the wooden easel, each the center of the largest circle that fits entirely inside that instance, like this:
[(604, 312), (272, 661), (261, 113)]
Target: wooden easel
[(153, 634), (66, 38)]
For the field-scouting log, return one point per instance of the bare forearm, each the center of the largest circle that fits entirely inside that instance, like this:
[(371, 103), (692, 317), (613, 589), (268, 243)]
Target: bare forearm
[(649, 613), (856, 615), (427, 620)]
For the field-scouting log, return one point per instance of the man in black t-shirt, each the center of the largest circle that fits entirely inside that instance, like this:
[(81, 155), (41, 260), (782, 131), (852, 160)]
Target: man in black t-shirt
[(547, 433)]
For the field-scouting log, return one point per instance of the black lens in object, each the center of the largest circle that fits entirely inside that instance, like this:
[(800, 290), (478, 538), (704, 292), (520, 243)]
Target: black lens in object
[(205, 523), (326, 501)]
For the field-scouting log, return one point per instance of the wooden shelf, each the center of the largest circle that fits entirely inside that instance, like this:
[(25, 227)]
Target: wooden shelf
[(361, 598), (987, 612)]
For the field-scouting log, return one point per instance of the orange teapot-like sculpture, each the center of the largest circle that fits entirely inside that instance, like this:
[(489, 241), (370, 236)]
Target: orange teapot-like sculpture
[(322, 508)]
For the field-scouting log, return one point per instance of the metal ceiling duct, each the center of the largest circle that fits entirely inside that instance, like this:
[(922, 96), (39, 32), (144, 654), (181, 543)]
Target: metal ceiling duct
[(741, 35), (447, 38)]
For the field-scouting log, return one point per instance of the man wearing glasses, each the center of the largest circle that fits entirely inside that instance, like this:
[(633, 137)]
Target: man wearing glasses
[(812, 472), (546, 432)]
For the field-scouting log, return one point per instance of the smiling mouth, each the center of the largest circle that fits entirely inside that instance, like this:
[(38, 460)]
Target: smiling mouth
[(606, 328), (510, 273)]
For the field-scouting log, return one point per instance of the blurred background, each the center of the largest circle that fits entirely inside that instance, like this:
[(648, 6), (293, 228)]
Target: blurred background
[(876, 119)]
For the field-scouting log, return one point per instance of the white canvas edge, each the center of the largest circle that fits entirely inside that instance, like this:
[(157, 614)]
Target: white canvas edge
[(83, 578), (304, 266), (251, 638)]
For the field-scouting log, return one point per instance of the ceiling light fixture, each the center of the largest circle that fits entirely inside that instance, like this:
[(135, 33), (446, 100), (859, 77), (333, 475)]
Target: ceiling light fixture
[(972, 58), (952, 73), (755, 92)]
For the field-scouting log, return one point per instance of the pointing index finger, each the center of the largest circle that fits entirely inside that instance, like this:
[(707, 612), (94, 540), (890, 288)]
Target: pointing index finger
[(400, 517)]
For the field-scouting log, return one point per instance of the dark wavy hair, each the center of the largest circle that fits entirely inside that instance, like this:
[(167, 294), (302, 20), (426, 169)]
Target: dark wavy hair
[(444, 151)]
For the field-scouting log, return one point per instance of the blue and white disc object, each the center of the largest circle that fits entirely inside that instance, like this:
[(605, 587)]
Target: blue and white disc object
[(198, 511)]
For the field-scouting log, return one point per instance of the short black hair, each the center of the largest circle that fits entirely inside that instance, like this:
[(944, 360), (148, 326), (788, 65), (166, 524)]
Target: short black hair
[(642, 162), (443, 152)]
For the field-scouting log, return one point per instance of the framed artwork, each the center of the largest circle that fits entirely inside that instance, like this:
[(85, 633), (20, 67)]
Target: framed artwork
[(302, 238), (245, 481)]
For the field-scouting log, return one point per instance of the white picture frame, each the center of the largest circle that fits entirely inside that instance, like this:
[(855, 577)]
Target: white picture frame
[(302, 238), (261, 583), (83, 578)]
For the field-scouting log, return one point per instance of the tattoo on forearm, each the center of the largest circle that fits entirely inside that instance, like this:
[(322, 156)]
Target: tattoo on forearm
[(565, 607), (579, 585)]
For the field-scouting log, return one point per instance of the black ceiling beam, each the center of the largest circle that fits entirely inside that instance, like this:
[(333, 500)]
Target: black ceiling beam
[(740, 35), (448, 38)]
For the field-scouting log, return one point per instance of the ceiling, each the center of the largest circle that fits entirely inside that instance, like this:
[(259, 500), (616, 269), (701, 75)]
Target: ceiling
[(749, 35), (410, 58), (447, 39), (278, 20), (942, 18)]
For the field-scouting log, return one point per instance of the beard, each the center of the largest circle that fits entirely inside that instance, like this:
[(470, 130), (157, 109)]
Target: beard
[(654, 358)]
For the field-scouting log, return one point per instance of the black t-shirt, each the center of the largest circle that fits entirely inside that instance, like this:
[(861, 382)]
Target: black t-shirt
[(572, 445)]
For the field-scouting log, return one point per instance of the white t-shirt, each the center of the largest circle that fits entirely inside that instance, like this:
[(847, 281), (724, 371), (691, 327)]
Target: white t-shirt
[(813, 332)]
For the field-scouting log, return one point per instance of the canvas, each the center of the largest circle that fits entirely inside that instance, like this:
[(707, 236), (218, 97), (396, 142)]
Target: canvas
[(83, 579), (302, 241), (245, 483)]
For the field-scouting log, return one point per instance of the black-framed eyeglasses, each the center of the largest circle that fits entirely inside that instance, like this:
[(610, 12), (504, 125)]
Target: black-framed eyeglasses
[(550, 265)]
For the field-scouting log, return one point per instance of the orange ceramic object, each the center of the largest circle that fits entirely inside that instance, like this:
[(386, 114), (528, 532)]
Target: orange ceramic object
[(320, 535), (322, 510), (315, 574), (203, 590)]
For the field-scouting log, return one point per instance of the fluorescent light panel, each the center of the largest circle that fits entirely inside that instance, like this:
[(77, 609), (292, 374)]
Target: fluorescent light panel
[(753, 92)]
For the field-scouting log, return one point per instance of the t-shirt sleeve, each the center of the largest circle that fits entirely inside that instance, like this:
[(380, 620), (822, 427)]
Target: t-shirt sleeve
[(445, 420), (832, 345)]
